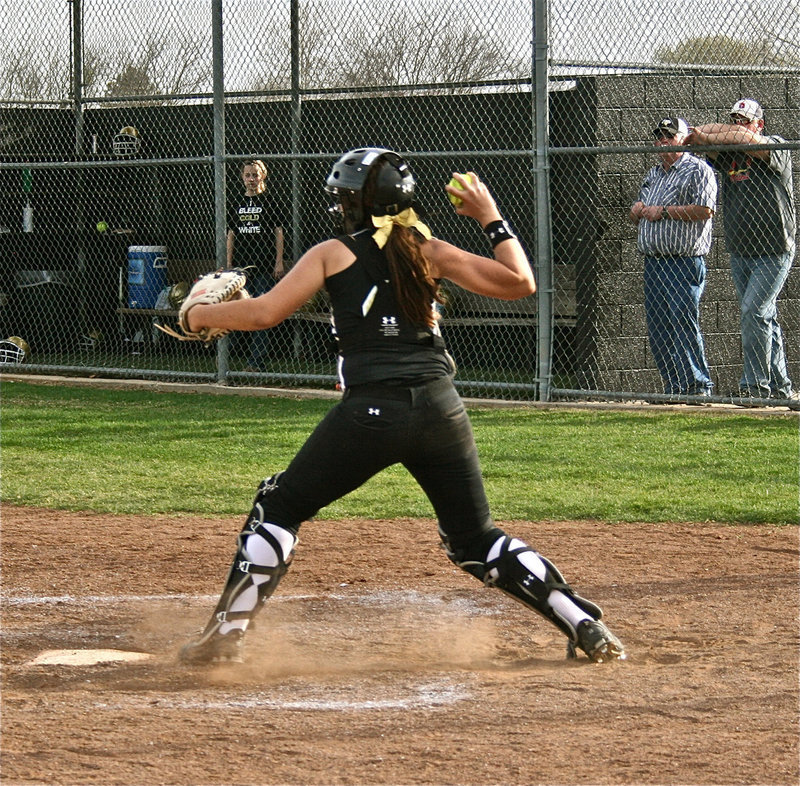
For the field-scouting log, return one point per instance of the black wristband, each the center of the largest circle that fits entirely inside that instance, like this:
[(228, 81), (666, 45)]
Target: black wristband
[(497, 232)]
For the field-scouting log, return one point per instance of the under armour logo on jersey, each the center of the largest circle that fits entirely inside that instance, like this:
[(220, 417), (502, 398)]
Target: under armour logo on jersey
[(374, 411), (389, 326)]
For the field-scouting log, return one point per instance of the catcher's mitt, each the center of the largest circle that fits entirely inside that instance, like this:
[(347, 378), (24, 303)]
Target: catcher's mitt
[(218, 287)]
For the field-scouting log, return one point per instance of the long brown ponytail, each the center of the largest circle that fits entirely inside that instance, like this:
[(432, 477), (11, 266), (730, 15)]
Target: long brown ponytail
[(414, 288)]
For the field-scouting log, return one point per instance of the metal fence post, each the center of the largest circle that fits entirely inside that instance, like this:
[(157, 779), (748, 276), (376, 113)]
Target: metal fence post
[(77, 99), (220, 223), (541, 179), (297, 109)]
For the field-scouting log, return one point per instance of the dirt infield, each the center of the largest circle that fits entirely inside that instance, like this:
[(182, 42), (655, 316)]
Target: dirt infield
[(378, 662)]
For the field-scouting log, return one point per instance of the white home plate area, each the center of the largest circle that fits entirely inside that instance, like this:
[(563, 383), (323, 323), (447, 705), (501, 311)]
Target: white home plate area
[(86, 657), (334, 651)]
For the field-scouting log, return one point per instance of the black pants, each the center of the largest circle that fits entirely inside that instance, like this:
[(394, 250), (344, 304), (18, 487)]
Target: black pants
[(426, 429)]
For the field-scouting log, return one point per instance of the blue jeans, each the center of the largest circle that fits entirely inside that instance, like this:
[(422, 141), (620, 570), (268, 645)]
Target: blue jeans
[(257, 285), (758, 282), (673, 287)]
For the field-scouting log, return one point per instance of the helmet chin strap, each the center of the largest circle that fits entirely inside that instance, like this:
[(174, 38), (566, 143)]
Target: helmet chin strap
[(351, 226)]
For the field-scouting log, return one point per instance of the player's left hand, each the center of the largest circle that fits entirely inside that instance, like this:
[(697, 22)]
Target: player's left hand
[(220, 286)]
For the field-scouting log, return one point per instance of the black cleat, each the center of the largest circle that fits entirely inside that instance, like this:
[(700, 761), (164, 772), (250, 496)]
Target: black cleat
[(214, 648), (597, 641)]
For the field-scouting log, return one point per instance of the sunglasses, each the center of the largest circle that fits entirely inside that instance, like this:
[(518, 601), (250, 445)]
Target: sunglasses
[(738, 120)]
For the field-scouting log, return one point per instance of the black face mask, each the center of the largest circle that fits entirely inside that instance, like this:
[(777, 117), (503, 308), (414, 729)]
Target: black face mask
[(337, 216), (344, 222)]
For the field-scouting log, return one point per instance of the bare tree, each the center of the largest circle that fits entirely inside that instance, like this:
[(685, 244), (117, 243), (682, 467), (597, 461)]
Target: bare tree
[(96, 67), (320, 54), (340, 47), (162, 64), (446, 48), (713, 50), (30, 74), (132, 80), (780, 30)]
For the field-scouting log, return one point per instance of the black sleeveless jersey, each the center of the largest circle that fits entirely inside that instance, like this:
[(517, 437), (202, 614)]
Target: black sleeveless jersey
[(377, 344)]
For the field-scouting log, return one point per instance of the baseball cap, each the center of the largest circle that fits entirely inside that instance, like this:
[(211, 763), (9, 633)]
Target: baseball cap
[(671, 126), (748, 108)]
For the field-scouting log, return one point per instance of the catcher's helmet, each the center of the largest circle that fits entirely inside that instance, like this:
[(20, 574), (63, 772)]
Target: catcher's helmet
[(371, 181), (13, 350), (127, 143)]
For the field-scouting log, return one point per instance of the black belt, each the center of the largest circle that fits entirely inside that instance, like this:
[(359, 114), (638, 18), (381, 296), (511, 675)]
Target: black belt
[(396, 392)]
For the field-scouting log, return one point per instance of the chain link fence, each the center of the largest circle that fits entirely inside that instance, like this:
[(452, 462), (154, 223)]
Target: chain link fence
[(126, 128)]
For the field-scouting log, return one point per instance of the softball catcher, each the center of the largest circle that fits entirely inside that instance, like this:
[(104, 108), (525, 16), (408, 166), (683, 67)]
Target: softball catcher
[(399, 405)]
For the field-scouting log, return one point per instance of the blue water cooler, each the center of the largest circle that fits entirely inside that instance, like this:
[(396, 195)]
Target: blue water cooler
[(147, 275)]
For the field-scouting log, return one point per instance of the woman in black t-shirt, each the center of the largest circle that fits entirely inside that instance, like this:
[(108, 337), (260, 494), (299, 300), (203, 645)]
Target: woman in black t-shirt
[(256, 243)]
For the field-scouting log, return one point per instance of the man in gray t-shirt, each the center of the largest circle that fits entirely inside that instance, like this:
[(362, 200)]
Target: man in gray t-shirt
[(759, 218)]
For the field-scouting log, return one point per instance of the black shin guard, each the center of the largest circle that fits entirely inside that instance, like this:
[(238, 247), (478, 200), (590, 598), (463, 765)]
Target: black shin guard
[(502, 567), (240, 578), (244, 568), (509, 574)]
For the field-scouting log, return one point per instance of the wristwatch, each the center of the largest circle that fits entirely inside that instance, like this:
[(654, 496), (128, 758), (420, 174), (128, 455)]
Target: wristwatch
[(664, 213)]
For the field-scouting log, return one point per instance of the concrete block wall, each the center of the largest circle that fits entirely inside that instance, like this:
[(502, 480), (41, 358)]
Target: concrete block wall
[(612, 351)]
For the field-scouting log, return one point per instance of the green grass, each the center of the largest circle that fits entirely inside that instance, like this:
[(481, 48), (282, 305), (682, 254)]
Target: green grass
[(139, 451)]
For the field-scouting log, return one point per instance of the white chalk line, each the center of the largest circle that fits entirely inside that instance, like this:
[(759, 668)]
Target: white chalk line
[(377, 598), (94, 600), (427, 695)]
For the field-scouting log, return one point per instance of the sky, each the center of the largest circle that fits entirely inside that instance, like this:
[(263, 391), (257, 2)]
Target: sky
[(581, 31)]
